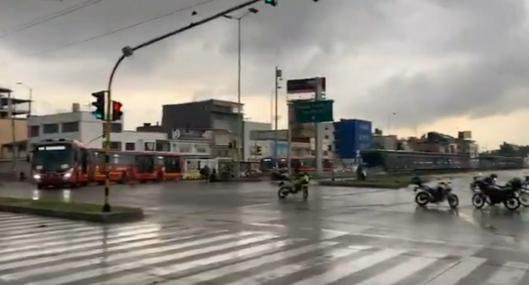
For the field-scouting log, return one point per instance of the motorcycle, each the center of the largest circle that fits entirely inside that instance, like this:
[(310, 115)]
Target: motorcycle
[(487, 192), (440, 193), (289, 187)]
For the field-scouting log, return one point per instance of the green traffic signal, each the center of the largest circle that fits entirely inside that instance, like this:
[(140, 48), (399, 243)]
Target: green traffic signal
[(271, 2), (99, 103)]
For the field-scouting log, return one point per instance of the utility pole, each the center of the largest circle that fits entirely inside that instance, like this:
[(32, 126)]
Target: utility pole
[(278, 75), (319, 129), (11, 116), (240, 145)]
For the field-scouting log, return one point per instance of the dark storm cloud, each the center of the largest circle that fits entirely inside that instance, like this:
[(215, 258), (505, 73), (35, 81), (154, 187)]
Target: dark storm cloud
[(465, 57), (491, 35)]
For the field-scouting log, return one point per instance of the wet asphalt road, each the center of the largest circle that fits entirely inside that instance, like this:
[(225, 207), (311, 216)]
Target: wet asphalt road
[(240, 233)]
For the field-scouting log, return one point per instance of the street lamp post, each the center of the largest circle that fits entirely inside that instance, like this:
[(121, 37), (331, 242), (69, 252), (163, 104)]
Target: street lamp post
[(129, 51), (240, 145)]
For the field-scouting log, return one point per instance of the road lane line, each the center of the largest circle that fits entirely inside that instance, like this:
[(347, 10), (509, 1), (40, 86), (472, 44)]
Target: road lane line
[(246, 265), (150, 261), (119, 256), (294, 267), (399, 272), (70, 240), (182, 267), (457, 272), (120, 244), (45, 236), (507, 274), (348, 268)]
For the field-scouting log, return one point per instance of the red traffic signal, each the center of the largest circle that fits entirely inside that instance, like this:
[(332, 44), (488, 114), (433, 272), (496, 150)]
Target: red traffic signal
[(116, 111)]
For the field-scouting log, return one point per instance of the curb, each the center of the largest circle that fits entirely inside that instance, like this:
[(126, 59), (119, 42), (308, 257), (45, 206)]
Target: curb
[(119, 216)]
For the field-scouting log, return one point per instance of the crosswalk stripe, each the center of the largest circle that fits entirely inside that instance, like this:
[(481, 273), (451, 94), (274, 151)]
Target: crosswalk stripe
[(40, 230), (347, 268), (285, 270), (29, 223), (181, 267), (119, 256), (121, 244), (399, 272), (238, 267), (46, 236), (151, 261), (71, 240), (47, 232), (457, 272), (507, 274)]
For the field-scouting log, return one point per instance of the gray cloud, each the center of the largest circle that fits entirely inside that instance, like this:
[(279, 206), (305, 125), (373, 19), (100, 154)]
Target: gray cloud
[(428, 59)]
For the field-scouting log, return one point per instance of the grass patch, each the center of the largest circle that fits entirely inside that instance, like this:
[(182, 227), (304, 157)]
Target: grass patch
[(386, 182), (74, 211)]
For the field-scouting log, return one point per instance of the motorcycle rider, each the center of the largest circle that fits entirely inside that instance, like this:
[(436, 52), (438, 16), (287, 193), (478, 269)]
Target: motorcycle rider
[(300, 179)]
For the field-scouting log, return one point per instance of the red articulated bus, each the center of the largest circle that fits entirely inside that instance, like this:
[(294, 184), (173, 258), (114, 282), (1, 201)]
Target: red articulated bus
[(128, 166), (60, 163)]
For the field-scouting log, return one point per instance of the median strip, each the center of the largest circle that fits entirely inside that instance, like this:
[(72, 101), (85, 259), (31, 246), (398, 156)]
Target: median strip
[(72, 211)]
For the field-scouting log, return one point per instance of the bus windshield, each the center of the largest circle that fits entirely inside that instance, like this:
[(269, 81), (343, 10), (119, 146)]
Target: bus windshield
[(53, 158)]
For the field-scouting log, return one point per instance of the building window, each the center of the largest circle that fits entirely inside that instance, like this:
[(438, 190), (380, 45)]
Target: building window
[(149, 146), (115, 145), (130, 146), (116, 128), (326, 137), (185, 148), (34, 131), (70, 127), (329, 147), (51, 128), (201, 149)]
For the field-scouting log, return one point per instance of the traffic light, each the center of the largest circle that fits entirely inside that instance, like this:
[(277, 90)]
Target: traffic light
[(99, 103), (116, 111), (271, 2)]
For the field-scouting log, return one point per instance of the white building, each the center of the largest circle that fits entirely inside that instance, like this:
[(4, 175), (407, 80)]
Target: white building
[(250, 145), (75, 125), (84, 127)]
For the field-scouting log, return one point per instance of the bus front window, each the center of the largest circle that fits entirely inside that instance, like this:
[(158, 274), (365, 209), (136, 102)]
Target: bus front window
[(53, 158)]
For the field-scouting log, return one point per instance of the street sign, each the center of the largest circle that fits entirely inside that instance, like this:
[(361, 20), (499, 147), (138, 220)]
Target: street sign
[(307, 85), (313, 111)]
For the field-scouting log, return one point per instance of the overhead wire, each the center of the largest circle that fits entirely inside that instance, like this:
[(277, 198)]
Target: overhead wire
[(49, 17), (121, 29)]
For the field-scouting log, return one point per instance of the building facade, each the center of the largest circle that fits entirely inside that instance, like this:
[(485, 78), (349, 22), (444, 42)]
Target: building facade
[(251, 148), (351, 136)]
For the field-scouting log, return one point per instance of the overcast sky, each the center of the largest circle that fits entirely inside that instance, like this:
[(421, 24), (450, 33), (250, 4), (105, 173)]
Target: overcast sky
[(446, 65)]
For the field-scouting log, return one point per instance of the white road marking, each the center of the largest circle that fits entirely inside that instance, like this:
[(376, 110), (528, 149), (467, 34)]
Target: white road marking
[(348, 268), (238, 267), (115, 257), (399, 272), (149, 261), (288, 269), (457, 272)]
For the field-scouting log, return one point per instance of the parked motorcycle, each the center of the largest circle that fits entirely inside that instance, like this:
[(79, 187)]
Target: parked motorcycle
[(488, 192), (289, 187), (440, 193)]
